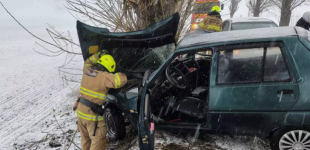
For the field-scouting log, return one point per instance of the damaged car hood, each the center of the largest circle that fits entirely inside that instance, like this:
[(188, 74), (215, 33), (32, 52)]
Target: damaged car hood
[(134, 52)]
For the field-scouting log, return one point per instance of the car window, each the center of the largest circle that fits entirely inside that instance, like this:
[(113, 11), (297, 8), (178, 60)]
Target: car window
[(240, 65), (225, 26), (275, 68), (251, 25), (203, 54), (148, 58), (246, 66)]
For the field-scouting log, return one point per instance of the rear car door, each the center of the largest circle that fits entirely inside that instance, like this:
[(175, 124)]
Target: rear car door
[(252, 86)]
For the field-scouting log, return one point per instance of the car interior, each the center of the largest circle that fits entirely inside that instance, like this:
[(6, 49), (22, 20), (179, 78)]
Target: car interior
[(180, 93)]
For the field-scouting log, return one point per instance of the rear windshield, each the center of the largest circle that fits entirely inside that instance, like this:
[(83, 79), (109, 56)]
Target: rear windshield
[(204, 8), (251, 25)]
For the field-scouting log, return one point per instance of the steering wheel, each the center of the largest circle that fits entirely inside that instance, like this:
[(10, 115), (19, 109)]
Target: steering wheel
[(176, 77)]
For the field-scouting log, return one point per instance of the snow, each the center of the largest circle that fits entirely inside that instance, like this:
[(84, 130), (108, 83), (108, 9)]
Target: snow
[(30, 137), (303, 33), (198, 38), (32, 91), (250, 19)]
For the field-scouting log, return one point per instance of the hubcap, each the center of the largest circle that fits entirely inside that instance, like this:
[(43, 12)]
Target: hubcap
[(295, 140), (111, 129)]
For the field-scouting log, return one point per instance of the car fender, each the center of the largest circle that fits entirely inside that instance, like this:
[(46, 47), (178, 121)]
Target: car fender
[(112, 103), (291, 119)]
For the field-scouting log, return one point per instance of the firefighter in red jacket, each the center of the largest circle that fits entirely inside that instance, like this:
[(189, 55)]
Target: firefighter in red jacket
[(95, 85)]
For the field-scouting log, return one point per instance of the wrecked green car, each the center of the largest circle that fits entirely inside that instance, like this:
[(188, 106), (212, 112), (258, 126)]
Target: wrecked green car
[(252, 82)]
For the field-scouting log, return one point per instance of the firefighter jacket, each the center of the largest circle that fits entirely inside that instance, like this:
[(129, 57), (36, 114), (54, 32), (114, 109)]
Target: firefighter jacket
[(211, 23), (95, 85)]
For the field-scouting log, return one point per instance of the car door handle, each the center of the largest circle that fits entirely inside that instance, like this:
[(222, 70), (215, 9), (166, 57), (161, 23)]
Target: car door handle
[(285, 91)]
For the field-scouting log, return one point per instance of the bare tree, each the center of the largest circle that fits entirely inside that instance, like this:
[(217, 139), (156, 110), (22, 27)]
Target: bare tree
[(258, 6), (234, 6), (117, 16), (131, 15), (286, 7)]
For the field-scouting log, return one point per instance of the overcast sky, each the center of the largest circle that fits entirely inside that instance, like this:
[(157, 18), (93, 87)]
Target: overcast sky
[(37, 13)]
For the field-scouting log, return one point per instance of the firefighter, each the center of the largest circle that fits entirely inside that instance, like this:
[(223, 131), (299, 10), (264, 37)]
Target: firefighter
[(213, 21), (98, 77), (304, 21)]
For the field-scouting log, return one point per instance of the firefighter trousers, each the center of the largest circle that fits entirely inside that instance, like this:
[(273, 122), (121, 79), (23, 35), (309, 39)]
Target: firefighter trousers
[(88, 141)]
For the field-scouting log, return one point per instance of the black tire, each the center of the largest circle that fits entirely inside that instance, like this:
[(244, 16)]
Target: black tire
[(116, 129), (275, 139)]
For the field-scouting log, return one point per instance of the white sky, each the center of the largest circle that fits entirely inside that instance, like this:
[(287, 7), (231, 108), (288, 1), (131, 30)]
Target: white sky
[(37, 13)]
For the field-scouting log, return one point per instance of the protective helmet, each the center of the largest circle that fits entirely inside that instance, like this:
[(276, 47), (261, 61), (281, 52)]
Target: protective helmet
[(216, 9), (108, 62)]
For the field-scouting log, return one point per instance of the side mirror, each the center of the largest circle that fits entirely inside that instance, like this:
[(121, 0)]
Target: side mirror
[(222, 7)]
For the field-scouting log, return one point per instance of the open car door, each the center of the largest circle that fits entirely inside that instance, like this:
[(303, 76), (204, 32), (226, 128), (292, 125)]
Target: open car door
[(146, 126), (134, 52)]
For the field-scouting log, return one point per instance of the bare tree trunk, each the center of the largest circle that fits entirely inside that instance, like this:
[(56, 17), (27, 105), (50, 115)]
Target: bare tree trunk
[(258, 6), (257, 9), (286, 7), (234, 5), (149, 12), (286, 13)]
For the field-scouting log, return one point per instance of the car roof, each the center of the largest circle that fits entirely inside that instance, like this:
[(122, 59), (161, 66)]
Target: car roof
[(249, 19), (199, 37)]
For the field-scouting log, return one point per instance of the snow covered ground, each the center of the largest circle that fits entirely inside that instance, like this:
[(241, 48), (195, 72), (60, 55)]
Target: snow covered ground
[(35, 104)]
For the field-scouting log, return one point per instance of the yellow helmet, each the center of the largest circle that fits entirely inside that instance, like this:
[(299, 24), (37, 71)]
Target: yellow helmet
[(108, 62), (216, 8)]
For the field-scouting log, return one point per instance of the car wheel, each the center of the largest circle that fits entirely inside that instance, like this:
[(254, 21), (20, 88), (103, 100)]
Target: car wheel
[(288, 139), (115, 124)]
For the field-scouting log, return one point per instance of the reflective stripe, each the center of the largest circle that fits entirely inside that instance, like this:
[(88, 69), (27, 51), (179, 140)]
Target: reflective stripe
[(201, 24), (93, 93), (88, 65), (93, 59), (88, 117), (214, 27), (117, 81)]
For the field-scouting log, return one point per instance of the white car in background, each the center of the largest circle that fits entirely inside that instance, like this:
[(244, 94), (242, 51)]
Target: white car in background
[(247, 23)]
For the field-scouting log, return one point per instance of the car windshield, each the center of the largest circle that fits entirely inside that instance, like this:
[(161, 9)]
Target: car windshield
[(150, 58), (204, 8), (251, 25)]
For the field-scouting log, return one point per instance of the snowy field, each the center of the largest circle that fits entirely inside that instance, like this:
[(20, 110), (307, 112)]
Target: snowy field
[(36, 103)]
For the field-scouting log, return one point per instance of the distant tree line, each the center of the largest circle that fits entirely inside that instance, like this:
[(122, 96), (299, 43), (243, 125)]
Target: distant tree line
[(257, 7)]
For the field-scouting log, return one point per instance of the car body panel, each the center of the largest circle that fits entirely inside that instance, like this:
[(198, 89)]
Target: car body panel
[(194, 39), (236, 108), (146, 126), (267, 118)]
